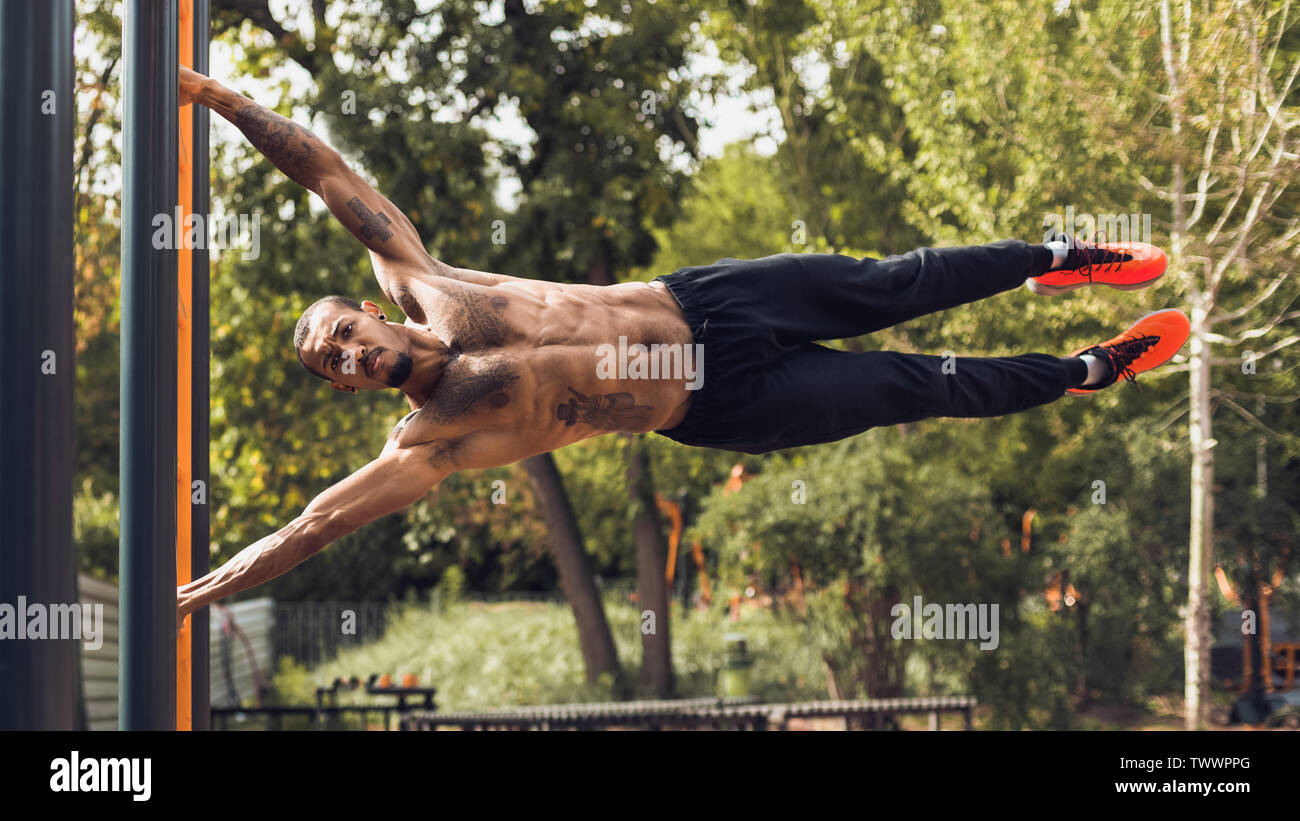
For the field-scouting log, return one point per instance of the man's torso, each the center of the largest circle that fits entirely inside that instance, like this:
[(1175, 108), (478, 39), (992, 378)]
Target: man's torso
[(525, 377)]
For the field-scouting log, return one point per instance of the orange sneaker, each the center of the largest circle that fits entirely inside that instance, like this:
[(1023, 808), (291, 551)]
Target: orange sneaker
[(1148, 343), (1123, 265)]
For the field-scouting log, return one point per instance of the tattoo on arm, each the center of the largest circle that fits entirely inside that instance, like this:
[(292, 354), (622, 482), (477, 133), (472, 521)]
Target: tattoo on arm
[(372, 224), (610, 411), (294, 150)]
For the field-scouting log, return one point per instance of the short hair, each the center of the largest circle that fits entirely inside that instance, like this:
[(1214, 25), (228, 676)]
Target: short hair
[(304, 324)]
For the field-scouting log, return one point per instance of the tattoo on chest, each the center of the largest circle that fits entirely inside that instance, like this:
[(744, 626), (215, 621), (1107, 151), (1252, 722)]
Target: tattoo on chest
[(609, 411), (455, 396), (372, 224)]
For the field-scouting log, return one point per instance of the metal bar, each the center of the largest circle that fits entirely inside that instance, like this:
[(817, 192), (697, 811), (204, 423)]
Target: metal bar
[(184, 361), (40, 682), (201, 698), (147, 570)]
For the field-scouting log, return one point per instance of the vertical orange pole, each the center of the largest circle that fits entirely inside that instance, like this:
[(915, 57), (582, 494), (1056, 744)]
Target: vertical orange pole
[(184, 357)]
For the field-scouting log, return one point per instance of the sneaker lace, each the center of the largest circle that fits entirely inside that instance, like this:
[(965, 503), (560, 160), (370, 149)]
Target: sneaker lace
[(1092, 256), (1125, 352)]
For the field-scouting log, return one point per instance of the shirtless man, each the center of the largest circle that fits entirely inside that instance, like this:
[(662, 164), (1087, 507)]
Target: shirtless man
[(499, 368)]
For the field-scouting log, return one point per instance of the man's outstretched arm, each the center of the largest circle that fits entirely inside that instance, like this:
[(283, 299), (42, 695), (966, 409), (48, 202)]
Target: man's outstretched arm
[(308, 161), (398, 478)]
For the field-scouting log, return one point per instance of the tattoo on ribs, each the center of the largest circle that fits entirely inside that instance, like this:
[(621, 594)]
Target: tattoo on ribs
[(290, 146), (610, 411), (372, 224)]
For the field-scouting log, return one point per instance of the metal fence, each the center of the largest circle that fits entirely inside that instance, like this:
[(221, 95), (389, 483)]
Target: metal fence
[(312, 633), (99, 666), (613, 591)]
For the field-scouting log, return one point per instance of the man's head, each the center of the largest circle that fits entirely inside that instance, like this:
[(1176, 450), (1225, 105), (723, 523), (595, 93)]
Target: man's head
[(352, 345)]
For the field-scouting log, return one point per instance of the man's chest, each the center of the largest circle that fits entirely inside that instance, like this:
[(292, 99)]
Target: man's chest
[(465, 316)]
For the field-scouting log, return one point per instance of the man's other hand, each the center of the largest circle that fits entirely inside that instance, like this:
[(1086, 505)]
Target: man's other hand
[(191, 83)]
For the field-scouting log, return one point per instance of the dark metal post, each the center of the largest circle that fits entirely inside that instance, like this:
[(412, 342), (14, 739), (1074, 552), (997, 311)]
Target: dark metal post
[(147, 571), (199, 665), (40, 682)]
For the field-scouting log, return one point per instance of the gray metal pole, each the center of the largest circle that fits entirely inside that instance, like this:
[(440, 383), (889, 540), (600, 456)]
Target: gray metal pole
[(200, 698), (40, 685), (147, 572)]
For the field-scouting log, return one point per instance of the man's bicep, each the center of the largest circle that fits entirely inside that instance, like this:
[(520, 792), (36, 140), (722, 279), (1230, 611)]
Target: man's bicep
[(390, 483), (372, 219)]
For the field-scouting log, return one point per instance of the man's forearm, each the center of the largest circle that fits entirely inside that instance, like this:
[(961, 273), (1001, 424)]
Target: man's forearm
[(300, 154), (259, 562)]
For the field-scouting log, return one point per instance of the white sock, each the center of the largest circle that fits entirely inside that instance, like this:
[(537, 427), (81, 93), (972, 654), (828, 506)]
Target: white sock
[(1097, 370), (1059, 252)]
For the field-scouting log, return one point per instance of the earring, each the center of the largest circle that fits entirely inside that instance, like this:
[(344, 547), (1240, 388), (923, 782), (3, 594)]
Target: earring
[(382, 317)]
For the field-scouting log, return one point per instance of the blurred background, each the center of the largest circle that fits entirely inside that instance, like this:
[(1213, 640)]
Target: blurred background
[(1139, 543)]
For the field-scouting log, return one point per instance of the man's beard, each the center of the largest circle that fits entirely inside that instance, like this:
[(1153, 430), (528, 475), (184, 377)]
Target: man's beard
[(401, 370)]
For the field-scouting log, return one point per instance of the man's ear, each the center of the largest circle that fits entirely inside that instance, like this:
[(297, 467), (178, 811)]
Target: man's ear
[(339, 386), (372, 308)]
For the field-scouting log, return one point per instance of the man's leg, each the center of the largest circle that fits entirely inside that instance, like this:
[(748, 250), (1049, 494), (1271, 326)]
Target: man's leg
[(814, 394), (831, 296), (817, 394)]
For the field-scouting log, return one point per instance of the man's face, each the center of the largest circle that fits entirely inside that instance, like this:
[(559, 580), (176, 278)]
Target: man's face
[(356, 349)]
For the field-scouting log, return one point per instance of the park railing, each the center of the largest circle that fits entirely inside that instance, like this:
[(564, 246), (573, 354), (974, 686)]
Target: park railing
[(697, 714), (676, 714)]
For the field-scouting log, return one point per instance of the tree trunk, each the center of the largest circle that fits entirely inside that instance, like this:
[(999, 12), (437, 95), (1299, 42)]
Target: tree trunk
[(598, 268), (652, 588), (1261, 677), (879, 655), (1196, 654), (1200, 541), (565, 542)]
